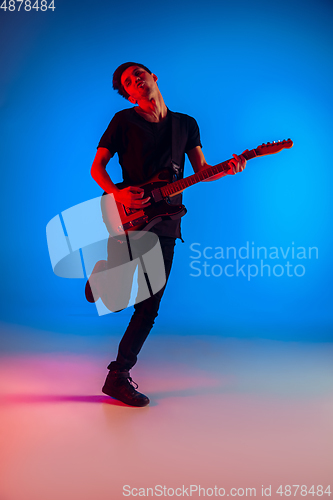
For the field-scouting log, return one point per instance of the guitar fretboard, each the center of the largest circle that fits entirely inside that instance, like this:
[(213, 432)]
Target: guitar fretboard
[(181, 184)]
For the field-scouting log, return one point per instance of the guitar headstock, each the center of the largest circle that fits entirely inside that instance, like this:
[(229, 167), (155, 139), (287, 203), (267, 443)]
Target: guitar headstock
[(273, 147)]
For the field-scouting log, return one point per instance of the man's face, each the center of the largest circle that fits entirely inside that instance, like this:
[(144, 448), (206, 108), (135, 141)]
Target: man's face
[(138, 83)]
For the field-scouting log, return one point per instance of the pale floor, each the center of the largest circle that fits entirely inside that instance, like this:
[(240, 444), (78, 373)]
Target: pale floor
[(224, 412)]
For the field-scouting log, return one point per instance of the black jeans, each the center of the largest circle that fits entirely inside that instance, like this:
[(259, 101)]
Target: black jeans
[(144, 314)]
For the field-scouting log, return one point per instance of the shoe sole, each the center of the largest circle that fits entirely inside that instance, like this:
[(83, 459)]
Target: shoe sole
[(139, 403)]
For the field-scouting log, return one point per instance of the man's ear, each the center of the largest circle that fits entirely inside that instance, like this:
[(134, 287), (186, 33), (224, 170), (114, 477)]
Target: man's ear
[(132, 100), (155, 77)]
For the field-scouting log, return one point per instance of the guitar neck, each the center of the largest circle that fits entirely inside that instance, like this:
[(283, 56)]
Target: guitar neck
[(181, 184)]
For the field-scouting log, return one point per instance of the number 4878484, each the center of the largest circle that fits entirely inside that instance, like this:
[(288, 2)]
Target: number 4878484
[(27, 5)]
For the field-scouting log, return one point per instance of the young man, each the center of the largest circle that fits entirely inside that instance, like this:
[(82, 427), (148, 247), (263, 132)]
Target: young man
[(142, 137)]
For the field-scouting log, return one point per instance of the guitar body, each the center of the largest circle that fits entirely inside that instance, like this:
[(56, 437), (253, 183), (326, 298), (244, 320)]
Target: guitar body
[(131, 219)]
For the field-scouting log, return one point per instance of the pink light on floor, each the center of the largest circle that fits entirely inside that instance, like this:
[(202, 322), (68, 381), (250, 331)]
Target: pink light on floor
[(253, 419)]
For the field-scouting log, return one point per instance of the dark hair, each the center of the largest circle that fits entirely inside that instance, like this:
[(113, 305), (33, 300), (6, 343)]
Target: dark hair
[(116, 83)]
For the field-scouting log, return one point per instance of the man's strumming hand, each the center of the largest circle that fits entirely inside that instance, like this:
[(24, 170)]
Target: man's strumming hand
[(132, 197)]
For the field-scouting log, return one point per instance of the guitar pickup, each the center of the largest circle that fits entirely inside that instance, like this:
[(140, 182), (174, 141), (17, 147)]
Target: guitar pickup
[(156, 194)]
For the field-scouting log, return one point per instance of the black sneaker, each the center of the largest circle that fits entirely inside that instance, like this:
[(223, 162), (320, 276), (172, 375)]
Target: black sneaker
[(100, 266), (88, 293), (119, 385)]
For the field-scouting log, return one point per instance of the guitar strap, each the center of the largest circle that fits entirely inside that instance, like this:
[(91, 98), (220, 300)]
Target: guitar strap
[(176, 153), (175, 146)]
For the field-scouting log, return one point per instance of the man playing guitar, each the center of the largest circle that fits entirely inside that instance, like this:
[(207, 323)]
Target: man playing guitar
[(142, 137)]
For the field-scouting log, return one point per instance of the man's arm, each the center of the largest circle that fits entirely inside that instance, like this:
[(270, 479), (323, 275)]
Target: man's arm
[(99, 173), (130, 196), (198, 162)]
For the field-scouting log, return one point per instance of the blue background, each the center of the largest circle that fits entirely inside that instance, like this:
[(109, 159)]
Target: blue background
[(249, 72)]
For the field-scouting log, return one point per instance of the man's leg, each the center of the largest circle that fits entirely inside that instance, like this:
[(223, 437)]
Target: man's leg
[(137, 331), (143, 317)]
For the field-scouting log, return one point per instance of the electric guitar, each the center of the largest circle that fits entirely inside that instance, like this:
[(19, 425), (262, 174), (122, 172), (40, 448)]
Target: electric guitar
[(161, 189)]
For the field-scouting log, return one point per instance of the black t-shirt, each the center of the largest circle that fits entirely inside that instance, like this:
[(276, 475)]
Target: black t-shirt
[(144, 148)]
